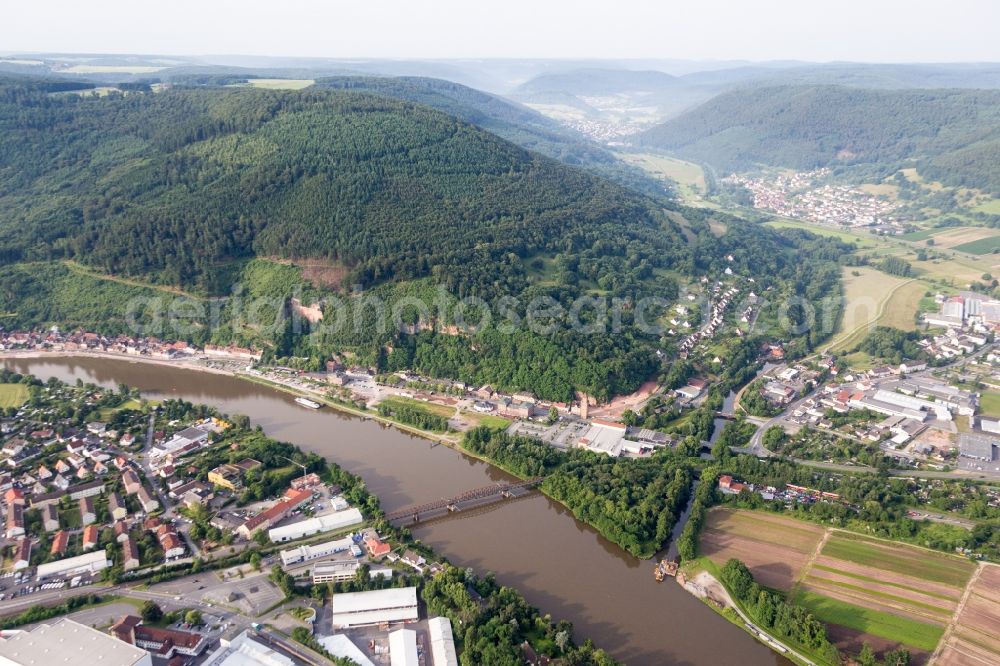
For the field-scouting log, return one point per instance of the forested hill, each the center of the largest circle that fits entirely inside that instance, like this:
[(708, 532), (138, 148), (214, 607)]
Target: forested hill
[(508, 120), (171, 186), (950, 135), (516, 123)]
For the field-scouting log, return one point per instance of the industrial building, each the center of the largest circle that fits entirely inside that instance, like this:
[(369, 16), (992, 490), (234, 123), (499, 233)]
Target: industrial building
[(343, 647), (72, 566), (442, 642), (403, 648), (314, 551), (356, 609), (325, 523), (340, 570), (977, 447), (69, 642)]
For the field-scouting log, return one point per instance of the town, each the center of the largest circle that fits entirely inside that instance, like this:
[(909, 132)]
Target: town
[(804, 196), (103, 491)]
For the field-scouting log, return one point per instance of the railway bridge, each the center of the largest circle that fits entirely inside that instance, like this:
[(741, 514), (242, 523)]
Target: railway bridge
[(477, 497)]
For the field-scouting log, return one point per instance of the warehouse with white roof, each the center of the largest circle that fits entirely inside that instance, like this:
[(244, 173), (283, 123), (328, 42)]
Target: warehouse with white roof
[(69, 642), (325, 523), (355, 609), (403, 648), (442, 642), (72, 566)]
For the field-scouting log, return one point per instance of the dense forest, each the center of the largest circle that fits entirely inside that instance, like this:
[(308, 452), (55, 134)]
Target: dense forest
[(228, 193), (634, 503), (951, 135)]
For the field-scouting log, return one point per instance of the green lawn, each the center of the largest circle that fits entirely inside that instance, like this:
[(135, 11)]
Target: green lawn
[(131, 403), (989, 403), (981, 246), (886, 625), (13, 395)]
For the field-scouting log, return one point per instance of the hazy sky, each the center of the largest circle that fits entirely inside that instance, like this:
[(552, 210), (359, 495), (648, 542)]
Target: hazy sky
[(868, 30)]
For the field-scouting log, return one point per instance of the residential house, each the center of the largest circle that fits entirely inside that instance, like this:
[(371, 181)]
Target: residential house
[(59, 544), (90, 537), (87, 512), (148, 502), (50, 517), (130, 554), (22, 555), (116, 506), (15, 521)]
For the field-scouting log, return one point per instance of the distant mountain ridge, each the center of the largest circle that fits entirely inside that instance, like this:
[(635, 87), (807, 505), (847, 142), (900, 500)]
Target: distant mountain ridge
[(952, 135)]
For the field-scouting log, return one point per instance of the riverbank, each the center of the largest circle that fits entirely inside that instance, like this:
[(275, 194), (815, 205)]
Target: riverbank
[(195, 366)]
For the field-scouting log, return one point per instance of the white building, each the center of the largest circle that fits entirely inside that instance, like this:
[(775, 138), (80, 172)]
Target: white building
[(325, 523), (72, 566), (193, 436), (314, 551), (403, 648), (340, 570), (604, 437), (355, 609), (341, 646), (442, 642), (69, 642), (245, 651)]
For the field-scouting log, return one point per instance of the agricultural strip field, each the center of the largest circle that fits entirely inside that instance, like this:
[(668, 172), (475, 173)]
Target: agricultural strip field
[(875, 298), (953, 237), (981, 246), (773, 547), (974, 639), (13, 395), (888, 590)]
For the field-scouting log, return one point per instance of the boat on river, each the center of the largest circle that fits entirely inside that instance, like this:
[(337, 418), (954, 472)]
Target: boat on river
[(306, 402)]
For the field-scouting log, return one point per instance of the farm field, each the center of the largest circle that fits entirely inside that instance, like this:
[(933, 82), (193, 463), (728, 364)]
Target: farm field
[(973, 638), (867, 590), (872, 298), (980, 246), (281, 84), (888, 590), (954, 237), (846, 236), (113, 69), (13, 395), (689, 176), (773, 547)]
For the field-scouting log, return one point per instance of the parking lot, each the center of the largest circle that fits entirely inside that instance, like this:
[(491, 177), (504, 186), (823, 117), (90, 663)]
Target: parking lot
[(563, 434)]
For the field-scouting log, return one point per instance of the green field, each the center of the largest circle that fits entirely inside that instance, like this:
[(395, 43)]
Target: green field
[(886, 625), (989, 403), (846, 236), (981, 246), (923, 234), (914, 562), (875, 298), (13, 395), (992, 207), (426, 407)]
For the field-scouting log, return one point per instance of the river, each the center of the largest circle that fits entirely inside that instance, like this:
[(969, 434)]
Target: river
[(559, 564)]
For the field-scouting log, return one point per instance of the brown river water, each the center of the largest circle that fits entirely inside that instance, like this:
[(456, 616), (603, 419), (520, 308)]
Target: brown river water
[(559, 564)]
